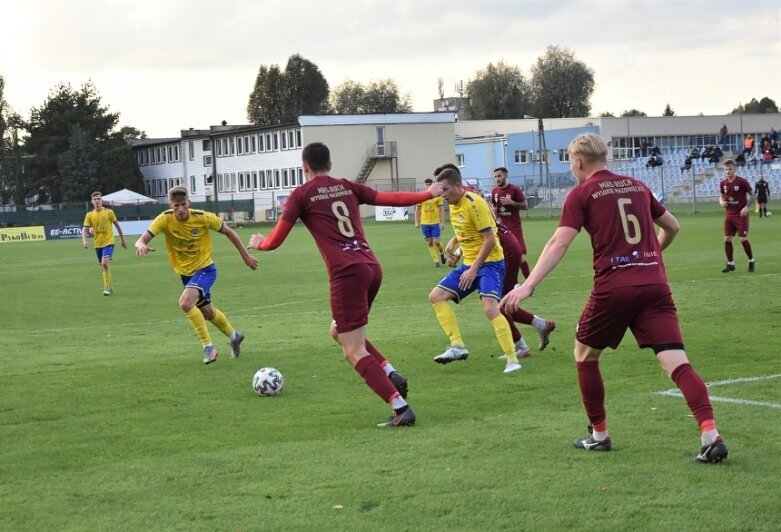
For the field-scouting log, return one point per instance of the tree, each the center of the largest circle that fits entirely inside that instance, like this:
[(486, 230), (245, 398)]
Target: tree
[(498, 92), (11, 127), (765, 105), (307, 88), (633, 112), (281, 97), (381, 96), (607, 114), (561, 85), (129, 133), (69, 136), (668, 111)]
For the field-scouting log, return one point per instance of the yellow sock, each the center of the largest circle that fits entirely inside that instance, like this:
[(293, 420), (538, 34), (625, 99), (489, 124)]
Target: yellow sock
[(433, 252), (221, 322), (106, 278), (447, 319), (439, 247), (199, 324), (505, 337)]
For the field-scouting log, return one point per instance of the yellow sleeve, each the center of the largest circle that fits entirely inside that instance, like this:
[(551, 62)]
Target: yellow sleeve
[(158, 224), (213, 221), (88, 220)]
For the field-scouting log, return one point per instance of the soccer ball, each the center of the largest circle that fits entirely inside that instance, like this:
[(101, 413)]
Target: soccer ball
[(267, 381), (768, 213)]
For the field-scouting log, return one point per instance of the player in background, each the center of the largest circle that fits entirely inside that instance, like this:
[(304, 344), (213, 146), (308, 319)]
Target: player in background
[(189, 244), (630, 288), (508, 201), (430, 217), (482, 270), (99, 221), (762, 190), (736, 197), (330, 210)]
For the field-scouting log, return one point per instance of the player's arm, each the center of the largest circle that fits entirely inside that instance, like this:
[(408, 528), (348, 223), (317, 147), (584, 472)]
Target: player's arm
[(121, 234), (749, 201), (551, 255), (442, 216), (489, 242), (249, 260), (405, 199), (668, 228), (141, 244), (274, 239), (84, 234)]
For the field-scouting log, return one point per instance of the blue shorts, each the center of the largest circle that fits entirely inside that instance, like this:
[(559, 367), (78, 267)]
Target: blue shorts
[(105, 252), (430, 230), (489, 281), (202, 280)]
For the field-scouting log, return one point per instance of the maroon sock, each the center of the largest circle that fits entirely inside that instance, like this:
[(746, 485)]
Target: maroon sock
[(747, 249), (513, 329), (525, 269), (728, 250), (375, 378), (694, 391), (376, 355), (592, 390), (523, 316)]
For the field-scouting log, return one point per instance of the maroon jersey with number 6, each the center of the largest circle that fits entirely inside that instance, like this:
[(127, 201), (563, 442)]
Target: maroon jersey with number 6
[(330, 209), (618, 213)]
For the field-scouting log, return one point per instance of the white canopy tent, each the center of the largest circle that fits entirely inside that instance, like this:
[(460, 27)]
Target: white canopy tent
[(127, 197)]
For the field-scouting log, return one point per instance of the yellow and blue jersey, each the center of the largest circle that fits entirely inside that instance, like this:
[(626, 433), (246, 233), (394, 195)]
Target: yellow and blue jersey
[(101, 223), (189, 243), (429, 211), (469, 218)]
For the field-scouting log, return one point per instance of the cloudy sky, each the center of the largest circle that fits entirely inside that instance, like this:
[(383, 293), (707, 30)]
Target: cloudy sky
[(167, 65)]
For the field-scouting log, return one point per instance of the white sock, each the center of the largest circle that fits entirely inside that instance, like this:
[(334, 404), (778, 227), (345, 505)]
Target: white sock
[(709, 436), (388, 368), (599, 436), (398, 402), (539, 323)]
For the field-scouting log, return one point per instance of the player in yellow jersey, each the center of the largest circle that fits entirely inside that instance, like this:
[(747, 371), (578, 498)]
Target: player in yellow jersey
[(430, 217), (101, 222), (482, 270), (189, 246)]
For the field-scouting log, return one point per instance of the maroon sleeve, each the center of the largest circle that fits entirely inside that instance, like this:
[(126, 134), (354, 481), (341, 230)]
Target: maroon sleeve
[(521, 197), (293, 207), (657, 209), (400, 199), (573, 212)]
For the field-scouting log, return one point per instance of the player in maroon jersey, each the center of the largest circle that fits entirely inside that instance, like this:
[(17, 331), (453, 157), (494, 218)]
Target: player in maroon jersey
[(630, 288), (330, 209), (508, 201), (736, 196)]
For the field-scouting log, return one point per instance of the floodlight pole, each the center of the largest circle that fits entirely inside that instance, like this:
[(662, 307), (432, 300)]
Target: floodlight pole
[(544, 154)]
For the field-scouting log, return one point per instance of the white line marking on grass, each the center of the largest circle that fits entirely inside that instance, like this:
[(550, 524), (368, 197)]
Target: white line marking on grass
[(675, 392)]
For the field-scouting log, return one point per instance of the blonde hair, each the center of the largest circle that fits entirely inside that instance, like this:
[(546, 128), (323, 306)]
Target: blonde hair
[(177, 191), (590, 146)]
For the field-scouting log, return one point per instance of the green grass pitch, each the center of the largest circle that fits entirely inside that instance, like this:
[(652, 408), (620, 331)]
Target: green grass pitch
[(109, 420)]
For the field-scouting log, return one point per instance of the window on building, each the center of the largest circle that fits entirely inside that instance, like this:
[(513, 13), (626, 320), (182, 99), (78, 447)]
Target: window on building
[(537, 156), (300, 174), (191, 150), (459, 159), (233, 145), (252, 143), (207, 145), (170, 153), (254, 179), (159, 157), (277, 183), (521, 157), (563, 156), (176, 152), (146, 156), (225, 147), (262, 179), (283, 140), (269, 145), (193, 190), (285, 177), (291, 139), (246, 145), (260, 143), (298, 138), (239, 147), (276, 140), (207, 160)]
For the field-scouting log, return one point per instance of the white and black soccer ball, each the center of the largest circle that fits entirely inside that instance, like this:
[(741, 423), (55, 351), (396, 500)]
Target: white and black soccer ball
[(768, 213), (267, 381)]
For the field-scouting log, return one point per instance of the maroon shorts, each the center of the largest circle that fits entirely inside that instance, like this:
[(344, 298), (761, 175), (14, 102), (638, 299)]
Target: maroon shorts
[(353, 290), (735, 224), (518, 234), (648, 311)]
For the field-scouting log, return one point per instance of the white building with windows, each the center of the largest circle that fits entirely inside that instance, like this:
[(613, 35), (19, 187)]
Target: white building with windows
[(263, 163)]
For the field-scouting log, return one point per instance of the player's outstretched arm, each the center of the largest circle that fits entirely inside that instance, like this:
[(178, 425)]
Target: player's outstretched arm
[(405, 199), (249, 260), (141, 244), (551, 255), (274, 239)]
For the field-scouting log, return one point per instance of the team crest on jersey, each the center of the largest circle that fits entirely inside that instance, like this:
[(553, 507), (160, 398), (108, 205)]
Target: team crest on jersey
[(736, 188), (193, 232), (460, 217)]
